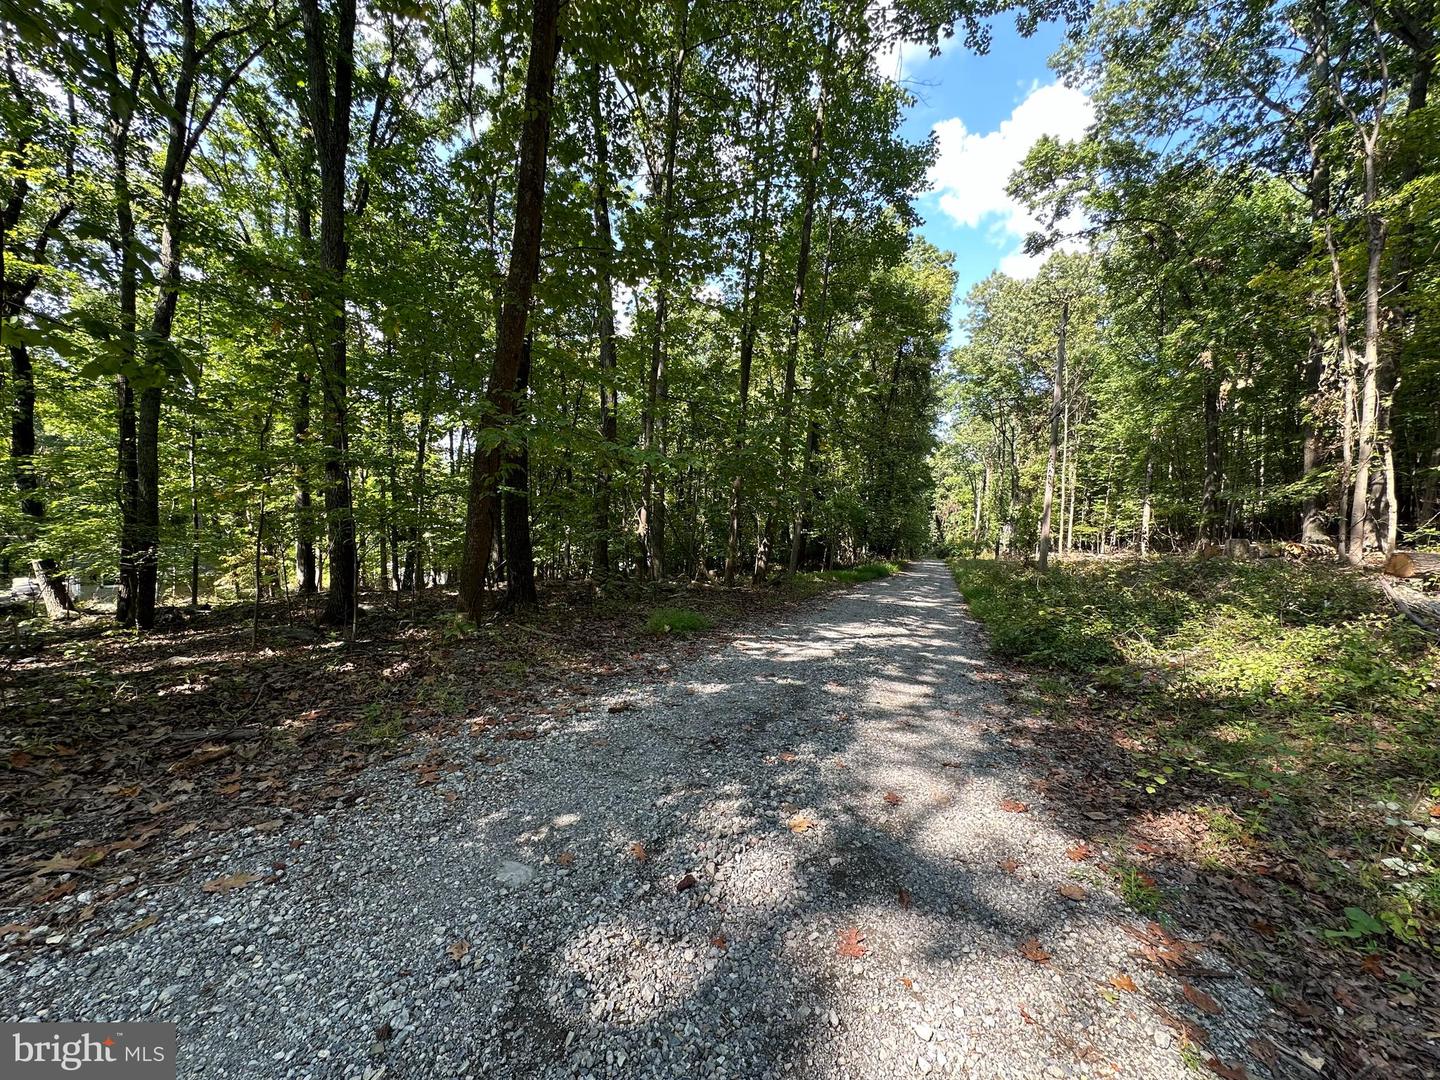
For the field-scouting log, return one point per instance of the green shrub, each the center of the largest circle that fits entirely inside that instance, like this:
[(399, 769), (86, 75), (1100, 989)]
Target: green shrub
[(669, 620)]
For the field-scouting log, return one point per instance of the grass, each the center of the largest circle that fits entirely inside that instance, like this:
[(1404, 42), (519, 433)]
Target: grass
[(672, 620), (1290, 689), (871, 571)]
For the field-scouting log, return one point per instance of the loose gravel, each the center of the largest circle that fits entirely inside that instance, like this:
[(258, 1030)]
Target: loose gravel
[(660, 885)]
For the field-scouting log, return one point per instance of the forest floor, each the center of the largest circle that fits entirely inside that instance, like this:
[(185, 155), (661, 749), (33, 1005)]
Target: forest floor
[(1258, 746), (801, 846)]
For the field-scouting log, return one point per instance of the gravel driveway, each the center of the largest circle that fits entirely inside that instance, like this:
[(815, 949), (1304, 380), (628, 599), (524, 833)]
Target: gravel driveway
[(791, 856)]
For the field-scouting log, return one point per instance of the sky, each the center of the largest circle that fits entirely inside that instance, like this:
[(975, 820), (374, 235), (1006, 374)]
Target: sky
[(987, 111)]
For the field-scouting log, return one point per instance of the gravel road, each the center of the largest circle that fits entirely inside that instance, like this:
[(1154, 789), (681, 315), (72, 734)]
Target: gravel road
[(822, 786)]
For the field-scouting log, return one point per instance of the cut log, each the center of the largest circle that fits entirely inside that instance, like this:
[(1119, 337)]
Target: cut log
[(1409, 564)]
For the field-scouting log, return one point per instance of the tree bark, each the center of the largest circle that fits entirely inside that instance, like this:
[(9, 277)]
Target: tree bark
[(520, 278)]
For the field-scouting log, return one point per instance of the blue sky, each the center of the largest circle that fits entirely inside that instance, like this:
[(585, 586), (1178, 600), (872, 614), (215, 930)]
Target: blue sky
[(987, 110)]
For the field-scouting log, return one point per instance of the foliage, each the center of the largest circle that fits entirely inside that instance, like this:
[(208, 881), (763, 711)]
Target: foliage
[(1290, 683)]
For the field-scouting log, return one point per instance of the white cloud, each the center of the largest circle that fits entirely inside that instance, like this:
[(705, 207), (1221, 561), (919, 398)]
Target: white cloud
[(972, 170), (899, 59)]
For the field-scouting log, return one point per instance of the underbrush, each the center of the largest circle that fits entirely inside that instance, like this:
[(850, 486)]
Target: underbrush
[(871, 571), (1288, 693), (671, 620)]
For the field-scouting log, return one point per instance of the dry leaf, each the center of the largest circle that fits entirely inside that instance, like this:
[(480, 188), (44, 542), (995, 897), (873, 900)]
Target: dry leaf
[(1079, 853), (1072, 891), (1031, 949), (1013, 806), (565, 858), (1124, 982), (799, 823), (718, 941), (638, 852), (1025, 1015), (788, 755), (457, 949), (14, 928), (906, 900), (1201, 1000), (269, 826), (1009, 864), (141, 924), (384, 1032), (1227, 1072), (1371, 966), (892, 799), (851, 944), (907, 982), (186, 829), (686, 882), (228, 882)]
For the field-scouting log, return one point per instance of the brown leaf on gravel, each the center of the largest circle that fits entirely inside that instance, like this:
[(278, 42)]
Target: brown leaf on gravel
[(1031, 949), (638, 852), (718, 941), (1124, 982), (1372, 966), (799, 823), (1009, 864), (1025, 1015), (140, 924), (906, 900), (457, 949), (1014, 806), (851, 944), (1080, 852), (1071, 891), (565, 858), (892, 799), (1201, 1000), (14, 928), (384, 1032), (687, 882), (1227, 1072), (788, 756), (229, 881), (186, 829), (270, 826)]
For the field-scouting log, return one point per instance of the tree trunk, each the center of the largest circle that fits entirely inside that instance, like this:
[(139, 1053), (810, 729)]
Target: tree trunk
[(802, 264), (328, 107), (1369, 433), (515, 309), (519, 552), (1057, 406), (605, 326), (652, 512), (1210, 493)]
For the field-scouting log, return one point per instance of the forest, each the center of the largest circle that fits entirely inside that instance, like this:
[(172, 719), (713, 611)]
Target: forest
[(308, 300), (1232, 342)]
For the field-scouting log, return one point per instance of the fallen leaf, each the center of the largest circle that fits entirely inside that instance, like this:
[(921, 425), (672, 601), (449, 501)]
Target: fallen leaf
[(384, 1032), (1072, 891), (686, 882), (457, 949), (906, 900), (1124, 982), (1080, 852), (1227, 1072), (269, 826), (186, 829), (892, 799), (1201, 1000), (1031, 949), (228, 882), (1013, 806), (788, 755), (1009, 864), (718, 941), (1096, 815), (799, 823), (638, 852), (140, 924), (907, 982), (1025, 1015), (851, 944), (1371, 965), (565, 858), (14, 928)]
